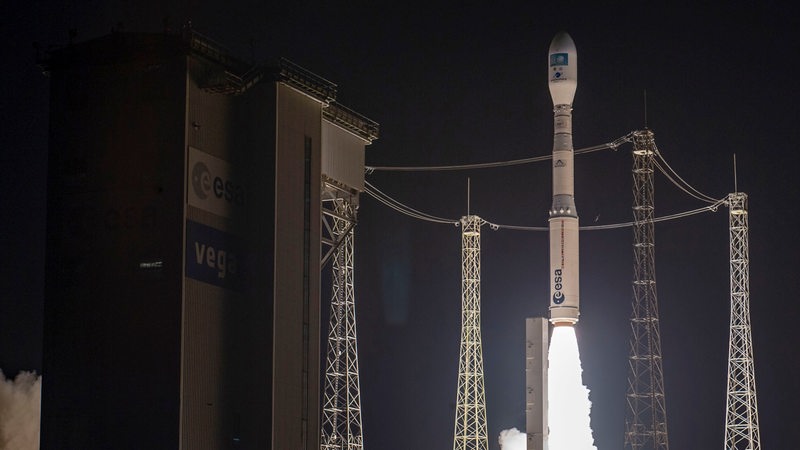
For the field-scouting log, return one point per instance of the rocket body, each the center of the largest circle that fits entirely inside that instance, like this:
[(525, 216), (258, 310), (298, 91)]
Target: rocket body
[(563, 223)]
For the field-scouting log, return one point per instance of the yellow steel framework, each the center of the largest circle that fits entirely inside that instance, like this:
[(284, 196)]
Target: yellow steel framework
[(646, 415), (341, 407), (470, 424), (741, 416)]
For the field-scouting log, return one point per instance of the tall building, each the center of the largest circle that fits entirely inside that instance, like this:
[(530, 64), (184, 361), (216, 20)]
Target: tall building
[(182, 305)]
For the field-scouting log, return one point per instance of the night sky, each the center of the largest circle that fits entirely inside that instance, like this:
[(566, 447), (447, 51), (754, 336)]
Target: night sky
[(467, 84)]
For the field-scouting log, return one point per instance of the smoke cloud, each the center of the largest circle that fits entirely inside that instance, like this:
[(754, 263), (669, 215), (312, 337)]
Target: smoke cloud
[(20, 406), (512, 439)]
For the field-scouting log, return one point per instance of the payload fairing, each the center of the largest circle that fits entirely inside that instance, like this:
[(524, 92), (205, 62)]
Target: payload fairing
[(564, 277)]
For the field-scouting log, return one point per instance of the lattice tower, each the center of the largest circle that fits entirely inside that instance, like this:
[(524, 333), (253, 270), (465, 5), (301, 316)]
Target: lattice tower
[(741, 417), (470, 426), (341, 407), (646, 416)]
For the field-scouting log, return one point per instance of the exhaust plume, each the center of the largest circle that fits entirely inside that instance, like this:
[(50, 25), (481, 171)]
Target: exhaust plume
[(568, 398), (513, 439)]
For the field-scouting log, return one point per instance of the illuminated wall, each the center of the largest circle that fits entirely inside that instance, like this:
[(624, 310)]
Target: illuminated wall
[(182, 286)]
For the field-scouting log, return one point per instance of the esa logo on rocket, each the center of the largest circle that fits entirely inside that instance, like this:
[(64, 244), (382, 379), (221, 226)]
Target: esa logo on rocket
[(558, 296)]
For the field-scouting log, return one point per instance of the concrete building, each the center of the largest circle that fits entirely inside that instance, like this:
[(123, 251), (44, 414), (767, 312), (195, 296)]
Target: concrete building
[(537, 343), (182, 305)]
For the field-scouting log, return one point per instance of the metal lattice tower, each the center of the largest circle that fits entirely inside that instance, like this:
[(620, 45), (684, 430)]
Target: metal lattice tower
[(646, 415), (470, 426), (741, 417), (341, 407)]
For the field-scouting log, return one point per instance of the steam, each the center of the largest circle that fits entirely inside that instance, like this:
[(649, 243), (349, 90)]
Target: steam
[(20, 405), (513, 439), (568, 398)]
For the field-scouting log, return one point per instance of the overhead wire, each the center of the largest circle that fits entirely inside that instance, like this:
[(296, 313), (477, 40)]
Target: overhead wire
[(680, 186), (398, 206), (489, 165), (411, 212), (712, 208), (661, 163), (674, 178)]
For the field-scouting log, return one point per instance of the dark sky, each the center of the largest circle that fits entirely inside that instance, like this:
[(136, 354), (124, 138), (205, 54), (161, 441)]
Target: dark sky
[(456, 85)]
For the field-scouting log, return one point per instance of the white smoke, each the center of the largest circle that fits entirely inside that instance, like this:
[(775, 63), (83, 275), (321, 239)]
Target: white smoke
[(568, 399), (20, 406), (513, 439)]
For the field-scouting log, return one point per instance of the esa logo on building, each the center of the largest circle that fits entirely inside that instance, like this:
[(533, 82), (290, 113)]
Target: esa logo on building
[(205, 185), (201, 180), (212, 186)]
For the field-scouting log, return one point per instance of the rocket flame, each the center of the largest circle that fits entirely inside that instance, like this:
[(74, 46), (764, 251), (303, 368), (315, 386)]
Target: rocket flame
[(569, 405)]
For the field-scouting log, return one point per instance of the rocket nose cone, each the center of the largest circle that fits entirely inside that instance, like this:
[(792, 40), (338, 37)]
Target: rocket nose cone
[(562, 69), (562, 43)]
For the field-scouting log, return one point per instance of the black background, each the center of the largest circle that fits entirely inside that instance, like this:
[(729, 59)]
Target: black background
[(464, 84)]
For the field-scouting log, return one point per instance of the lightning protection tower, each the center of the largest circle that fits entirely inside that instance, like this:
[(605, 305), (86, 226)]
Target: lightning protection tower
[(741, 417), (344, 135), (341, 409), (646, 417), (470, 426)]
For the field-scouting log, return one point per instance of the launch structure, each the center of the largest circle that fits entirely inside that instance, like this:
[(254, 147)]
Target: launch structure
[(341, 408), (646, 414), (345, 133), (470, 423), (646, 418), (645, 422), (741, 416), (537, 343)]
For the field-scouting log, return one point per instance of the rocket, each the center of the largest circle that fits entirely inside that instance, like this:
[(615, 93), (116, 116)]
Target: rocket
[(562, 72)]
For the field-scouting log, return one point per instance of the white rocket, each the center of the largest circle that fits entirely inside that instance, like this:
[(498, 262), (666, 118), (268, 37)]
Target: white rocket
[(562, 71)]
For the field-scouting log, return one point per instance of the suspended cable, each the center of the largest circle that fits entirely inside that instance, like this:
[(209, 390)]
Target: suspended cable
[(411, 212), (675, 182), (402, 208), (680, 215), (674, 175), (613, 226), (609, 145)]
